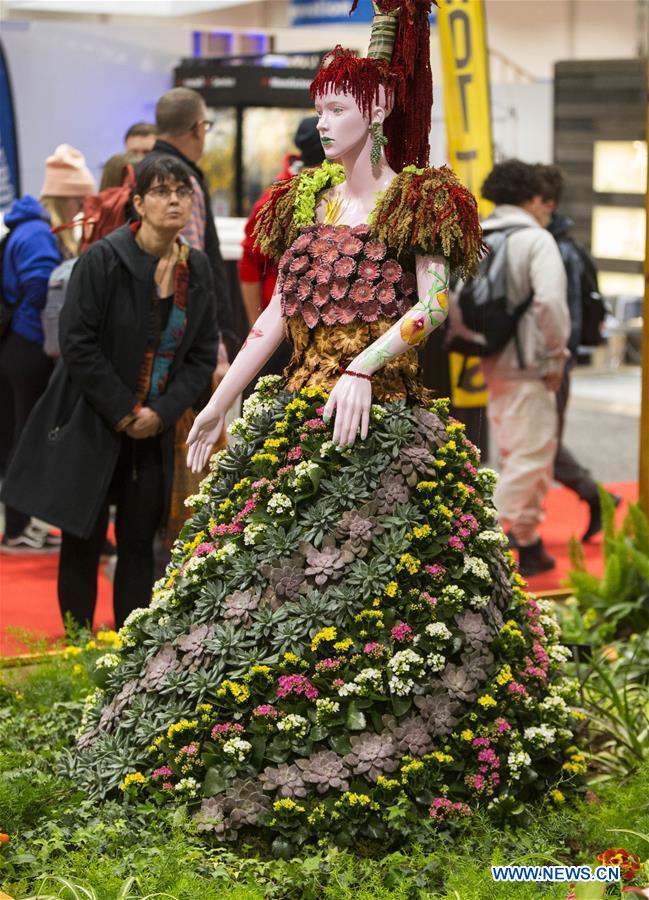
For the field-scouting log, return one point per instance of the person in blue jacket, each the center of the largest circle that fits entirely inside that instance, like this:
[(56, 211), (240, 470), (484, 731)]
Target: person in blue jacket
[(31, 253)]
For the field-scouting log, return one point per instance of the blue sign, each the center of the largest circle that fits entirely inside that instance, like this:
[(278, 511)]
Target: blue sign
[(332, 12), (9, 171)]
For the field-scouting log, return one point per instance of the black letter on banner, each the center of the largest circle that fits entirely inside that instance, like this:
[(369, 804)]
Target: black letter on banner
[(462, 61)]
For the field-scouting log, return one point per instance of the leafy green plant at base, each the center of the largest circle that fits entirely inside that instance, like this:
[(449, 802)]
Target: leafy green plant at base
[(619, 600)]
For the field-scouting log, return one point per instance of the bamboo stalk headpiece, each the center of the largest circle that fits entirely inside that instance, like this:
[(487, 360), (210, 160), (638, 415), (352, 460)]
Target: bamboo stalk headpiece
[(398, 61)]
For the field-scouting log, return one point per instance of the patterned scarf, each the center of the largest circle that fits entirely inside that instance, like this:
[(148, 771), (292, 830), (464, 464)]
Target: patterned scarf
[(161, 348)]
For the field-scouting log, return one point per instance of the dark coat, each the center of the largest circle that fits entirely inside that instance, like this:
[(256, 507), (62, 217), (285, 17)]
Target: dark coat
[(223, 300), (68, 451)]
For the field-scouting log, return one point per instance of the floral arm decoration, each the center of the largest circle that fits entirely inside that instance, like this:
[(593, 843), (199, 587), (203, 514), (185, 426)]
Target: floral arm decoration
[(414, 327)]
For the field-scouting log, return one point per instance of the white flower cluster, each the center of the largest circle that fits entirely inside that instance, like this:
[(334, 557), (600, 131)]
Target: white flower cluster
[(473, 565), (293, 724), (488, 478), (377, 413), (252, 531), (187, 786), (370, 680), (91, 701), (239, 428), (558, 653), (195, 501), (326, 448), (279, 503), (492, 538), (438, 631), (546, 606), (125, 633), (540, 736), (479, 601), (301, 475), (326, 707), (269, 384), (350, 689), (452, 595), (400, 687), (237, 749), (551, 627), (107, 661), (436, 662), (555, 704), (568, 688), (517, 761), (163, 599), (404, 661)]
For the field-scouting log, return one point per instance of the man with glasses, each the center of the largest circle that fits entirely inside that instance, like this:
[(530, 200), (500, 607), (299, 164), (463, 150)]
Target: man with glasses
[(182, 123)]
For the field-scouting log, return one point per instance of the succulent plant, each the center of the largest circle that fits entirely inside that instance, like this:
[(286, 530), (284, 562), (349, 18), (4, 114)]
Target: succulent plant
[(326, 564), (392, 490), (412, 735), (474, 628), (440, 712), (372, 755), (479, 665), (358, 527), (245, 802), (212, 817), (413, 462), (192, 646), (429, 428), (287, 780), (325, 770), (239, 605), (459, 683), (112, 710), (162, 664), (287, 579)]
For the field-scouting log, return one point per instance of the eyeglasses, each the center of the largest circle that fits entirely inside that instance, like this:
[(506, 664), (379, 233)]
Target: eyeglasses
[(205, 124), (162, 192)]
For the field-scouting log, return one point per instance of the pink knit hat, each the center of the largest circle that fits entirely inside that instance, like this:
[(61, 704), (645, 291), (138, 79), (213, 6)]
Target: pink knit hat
[(67, 175)]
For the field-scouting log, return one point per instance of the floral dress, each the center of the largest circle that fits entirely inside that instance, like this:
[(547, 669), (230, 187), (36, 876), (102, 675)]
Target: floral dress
[(340, 646)]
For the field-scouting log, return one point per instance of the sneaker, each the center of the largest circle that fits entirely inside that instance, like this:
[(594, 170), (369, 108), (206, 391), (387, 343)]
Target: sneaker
[(25, 543), (49, 538), (595, 522), (534, 559)]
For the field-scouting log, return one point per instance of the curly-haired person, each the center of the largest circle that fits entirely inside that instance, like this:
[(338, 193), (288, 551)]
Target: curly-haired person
[(522, 403)]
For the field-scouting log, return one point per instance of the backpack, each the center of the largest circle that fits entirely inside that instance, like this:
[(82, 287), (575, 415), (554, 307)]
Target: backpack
[(593, 305), (107, 210), (57, 287), (489, 322)]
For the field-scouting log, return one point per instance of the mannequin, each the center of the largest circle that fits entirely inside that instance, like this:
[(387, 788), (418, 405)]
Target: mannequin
[(346, 136)]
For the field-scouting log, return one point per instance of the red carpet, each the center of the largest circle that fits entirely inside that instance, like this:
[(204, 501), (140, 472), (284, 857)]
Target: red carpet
[(28, 584)]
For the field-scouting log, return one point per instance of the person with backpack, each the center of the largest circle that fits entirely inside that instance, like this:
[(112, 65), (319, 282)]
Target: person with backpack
[(524, 374), (138, 341), (30, 253), (587, 314)]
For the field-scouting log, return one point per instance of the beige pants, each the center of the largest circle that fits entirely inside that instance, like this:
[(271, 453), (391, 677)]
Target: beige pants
[(524, 424)]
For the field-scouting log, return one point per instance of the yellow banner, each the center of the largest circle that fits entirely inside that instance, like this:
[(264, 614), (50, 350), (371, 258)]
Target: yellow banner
[(467, 111)]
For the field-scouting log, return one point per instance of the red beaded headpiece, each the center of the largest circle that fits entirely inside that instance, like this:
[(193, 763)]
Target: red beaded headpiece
[(401, 68)]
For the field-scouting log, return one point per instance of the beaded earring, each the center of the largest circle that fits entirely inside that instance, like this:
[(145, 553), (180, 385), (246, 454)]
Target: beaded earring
[(379, 141)]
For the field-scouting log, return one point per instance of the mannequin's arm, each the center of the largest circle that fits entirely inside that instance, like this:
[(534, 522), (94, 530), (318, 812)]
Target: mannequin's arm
[(264, 338), (351, 397)]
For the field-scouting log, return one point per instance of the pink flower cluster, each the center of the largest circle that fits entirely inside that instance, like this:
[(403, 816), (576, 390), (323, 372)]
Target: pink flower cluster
[(374, 649), (533, 614), (441, 808), (516, 689), (537, 668), (502, 726), (428, 598), (487, 778), (265, 711), (402, 632), (466, 525), (190, 749), (296, 684), (221, 732), (436, 570), (456, 544), (203, 549), (294, 453), (162, 772), (328, 665)]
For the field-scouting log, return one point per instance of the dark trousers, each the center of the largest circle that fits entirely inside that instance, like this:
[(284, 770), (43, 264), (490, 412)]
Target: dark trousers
[(27, 369), (137, 490), (567, 470)]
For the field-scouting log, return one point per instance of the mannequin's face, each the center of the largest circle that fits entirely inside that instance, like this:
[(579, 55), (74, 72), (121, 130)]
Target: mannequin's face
[(342, 126)]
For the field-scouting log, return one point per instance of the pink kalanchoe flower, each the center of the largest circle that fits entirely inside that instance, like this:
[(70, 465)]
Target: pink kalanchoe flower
[(296, 684), (203, 549), (436, 570), (391, 271), (285, 470), (319, 410), (294, 453), (224, 729), (455, 544), (162, 772), (427, 598), (328, 665), (265, 711), (313, 424), (469, 469), (338, 682), (344, 267), (481, 742), (190, 749), (515, 688), (373, 649), (402, 632), (502, 725), (375, 250), (368, 270), (167, 786)]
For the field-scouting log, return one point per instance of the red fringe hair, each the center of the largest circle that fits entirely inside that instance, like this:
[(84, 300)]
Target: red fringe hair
[(407, 81)]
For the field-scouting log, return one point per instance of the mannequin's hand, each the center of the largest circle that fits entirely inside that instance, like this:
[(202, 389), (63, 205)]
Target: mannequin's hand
[(205, 432), (351, 401)]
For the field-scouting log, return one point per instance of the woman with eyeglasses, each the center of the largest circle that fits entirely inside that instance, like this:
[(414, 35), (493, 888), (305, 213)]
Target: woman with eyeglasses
[(138, 340)]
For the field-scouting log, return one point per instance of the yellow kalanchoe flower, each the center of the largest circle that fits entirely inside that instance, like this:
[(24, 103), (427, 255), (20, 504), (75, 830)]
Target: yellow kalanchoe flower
[(239, 692), (71, 650), (324, 636), (467, 735), (504, 675), (391, 589), (343, 646), (132, 778), (422, 531), (557, 796), (408, 562), (487, 701), (179, 727), (111, 638), (287, 805)]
